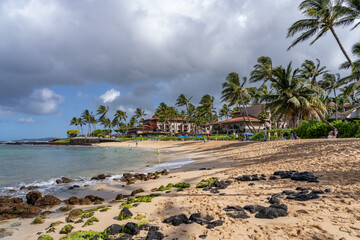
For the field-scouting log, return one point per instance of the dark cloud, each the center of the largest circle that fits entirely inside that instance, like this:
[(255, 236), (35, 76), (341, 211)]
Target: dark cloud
[(171, 47)]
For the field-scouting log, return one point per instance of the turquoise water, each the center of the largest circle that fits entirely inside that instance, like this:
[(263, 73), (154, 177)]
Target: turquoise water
[(42, 165)]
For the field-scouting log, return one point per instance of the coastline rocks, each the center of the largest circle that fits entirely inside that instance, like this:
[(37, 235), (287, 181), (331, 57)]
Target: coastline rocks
[(100, 177), (236, 212), (140, 190), (248, 178), (201, 218), (78, 201), (32, 197), (47, 200), (154, 235), (253, 208), (274, 211), (119, 196), (177, 220), (63, 180), (131, 228), (28, 188), (66, 229), (297, 176), (95, 199), (214, 224), (74, 215), (113, 229), (125, 214)]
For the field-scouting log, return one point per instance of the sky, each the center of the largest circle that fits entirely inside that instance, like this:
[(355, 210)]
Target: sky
[(60, 57)]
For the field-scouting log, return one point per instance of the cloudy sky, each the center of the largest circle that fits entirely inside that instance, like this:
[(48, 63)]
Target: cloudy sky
[(58, 58)]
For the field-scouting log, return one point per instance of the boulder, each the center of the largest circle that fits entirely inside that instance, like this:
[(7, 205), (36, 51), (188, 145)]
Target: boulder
[(74, 215), (66, 229), (47, 200), (274, 200), (113, 229), (140, 190), (33, 196), (236, 212), (214, 224), (154, 235), (201, 219), (131, 228), (66, 180), (274, 211), (119, 196), (125, 214), (253, 208), (177, 220)]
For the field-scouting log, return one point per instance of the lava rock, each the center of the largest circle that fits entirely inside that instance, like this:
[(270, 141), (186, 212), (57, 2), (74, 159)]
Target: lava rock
[(114, 229), (202, 236), (140, 190), (201, 218), (214, 224), (177, 220), (66, 180), (131, 228), (125, 214), (274, 211), (47, 200), (272, 177), (145, 227), (253, 208), (33, 196), (304, 176), (154, 235), (236, 212), (274, 200)]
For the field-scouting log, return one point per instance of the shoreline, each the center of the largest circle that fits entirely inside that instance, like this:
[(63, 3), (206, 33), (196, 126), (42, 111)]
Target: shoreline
[(331, 216)]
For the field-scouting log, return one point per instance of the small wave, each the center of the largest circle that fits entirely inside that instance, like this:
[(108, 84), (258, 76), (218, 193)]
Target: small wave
[(170, 165)]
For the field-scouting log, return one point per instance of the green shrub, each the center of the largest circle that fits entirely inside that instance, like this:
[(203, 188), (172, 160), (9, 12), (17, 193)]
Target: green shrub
[(98, 133), (72, 132), (260, 135)]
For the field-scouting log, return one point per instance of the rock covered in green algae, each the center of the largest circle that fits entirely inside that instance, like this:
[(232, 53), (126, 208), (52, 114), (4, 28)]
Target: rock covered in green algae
[(125, 214), (45, 237), (66, 229)]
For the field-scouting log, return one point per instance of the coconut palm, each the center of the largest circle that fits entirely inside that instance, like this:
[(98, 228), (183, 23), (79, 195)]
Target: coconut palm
[(262, 71), (351, 11), (323, 16), (102, 111), (225, 111), (206, 108), (120, 115), (236, 94), (331, 82), (355, 71), (183, 101), (257, 94), (292, 97), (139, 114), (310, 71), (87, 116), (74, 121), (165, 113)]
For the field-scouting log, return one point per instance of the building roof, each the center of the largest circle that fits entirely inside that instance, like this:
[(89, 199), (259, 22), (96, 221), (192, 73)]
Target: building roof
[(238, 119), (171, 119), (253, 110)]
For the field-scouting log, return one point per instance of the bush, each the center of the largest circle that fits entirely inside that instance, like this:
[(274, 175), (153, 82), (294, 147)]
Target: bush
[(98, 133), (72, 133), (260, 135), (318, 129)]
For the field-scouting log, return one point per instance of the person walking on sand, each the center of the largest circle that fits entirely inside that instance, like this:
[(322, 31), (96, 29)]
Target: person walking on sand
[(275, 136), (281, 135), (158, 151), (265, 134), (335, 133), (269, 136)]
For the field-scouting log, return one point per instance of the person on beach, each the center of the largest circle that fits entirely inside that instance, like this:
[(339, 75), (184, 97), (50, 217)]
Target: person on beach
[(335, 133), (158, 151), (331, 135), (281, 135), (136, 143), (275, 135), (265, 134), (269, 136), (292, 134), (237, 137)]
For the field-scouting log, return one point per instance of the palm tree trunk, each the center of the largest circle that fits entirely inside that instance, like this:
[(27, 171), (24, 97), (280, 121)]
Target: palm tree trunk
[(322, 117), (341, 46), (335, 104), (247, 115)]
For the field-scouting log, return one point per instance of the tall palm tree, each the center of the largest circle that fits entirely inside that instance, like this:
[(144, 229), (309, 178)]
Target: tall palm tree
[(331, 82), (139, 114), (102, 111), (207, 108), (351, 11), (87, 116), (293, 97), (262, 70), (257, 94), (120, 115), (322, 15), (183, 101), (164, 113), (225, 111), (310, 71), (81, 123), (236, 94)]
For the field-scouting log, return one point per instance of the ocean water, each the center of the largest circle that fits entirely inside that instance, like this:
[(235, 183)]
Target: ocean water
[(26, 165)]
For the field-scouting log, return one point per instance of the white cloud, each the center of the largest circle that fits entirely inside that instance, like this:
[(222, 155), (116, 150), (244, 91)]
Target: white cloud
[(110, 96), (26, 120), (43, 101)]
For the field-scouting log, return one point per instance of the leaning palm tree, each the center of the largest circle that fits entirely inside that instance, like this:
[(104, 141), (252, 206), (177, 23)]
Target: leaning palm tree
[(183, 101), (74, 121), (293, 97), (262, 71), (310, 71), (81, 123), (102, 111), (236, 94), (322, 15), (164, 113), (139, 114), (120, 115)]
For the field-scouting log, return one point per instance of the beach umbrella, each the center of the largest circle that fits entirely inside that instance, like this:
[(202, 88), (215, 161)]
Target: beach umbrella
[(248, 133), (199, 136), (181, 136), (186, 136)]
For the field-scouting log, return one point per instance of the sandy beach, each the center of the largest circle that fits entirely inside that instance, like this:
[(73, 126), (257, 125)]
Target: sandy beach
[(335, 214)]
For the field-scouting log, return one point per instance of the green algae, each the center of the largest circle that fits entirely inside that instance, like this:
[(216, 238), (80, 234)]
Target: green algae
[(206, 182)]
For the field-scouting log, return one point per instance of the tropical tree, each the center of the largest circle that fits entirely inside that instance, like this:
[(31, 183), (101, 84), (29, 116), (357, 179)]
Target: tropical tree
[(183, 101), (355, 71), (120, 115), (87, 116), (102, 111), (323, 16), (74, 121), (262, 70), (225, 111), (139, 114), (351, 11), (310, 71), (293, 97), (206, 108), (257, 94), (330, 83), (165, 113), (236, 94)]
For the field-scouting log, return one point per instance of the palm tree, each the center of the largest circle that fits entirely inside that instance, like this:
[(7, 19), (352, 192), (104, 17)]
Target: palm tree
[(120, 115), (351, 12), (355, 71), (257, 94), (81, 123), (310, 71), (225, 111), (139, 114), (331, 82), (236, 94), (206, 108), (183, 101), (293, 97), (74, 121), (164, 113), (102, 111), (262, 71), (87, 116), (323, 16)]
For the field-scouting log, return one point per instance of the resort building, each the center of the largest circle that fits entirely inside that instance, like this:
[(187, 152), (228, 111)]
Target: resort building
[(349, 115), (153, 126)]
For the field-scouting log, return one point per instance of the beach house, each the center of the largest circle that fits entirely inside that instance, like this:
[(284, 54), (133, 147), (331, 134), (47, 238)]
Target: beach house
[(174, 126)]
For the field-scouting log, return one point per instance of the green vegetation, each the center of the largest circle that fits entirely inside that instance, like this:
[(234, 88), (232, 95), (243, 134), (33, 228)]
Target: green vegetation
[(61, 140), (140, 190), (52, 226), (260, 135), (91, 221), (206, 182), (182, 185), (45, 237), (66, 208), (82, 235), (72, 133), (139, 217), (98, 133), (39, 220), (66, 229)]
